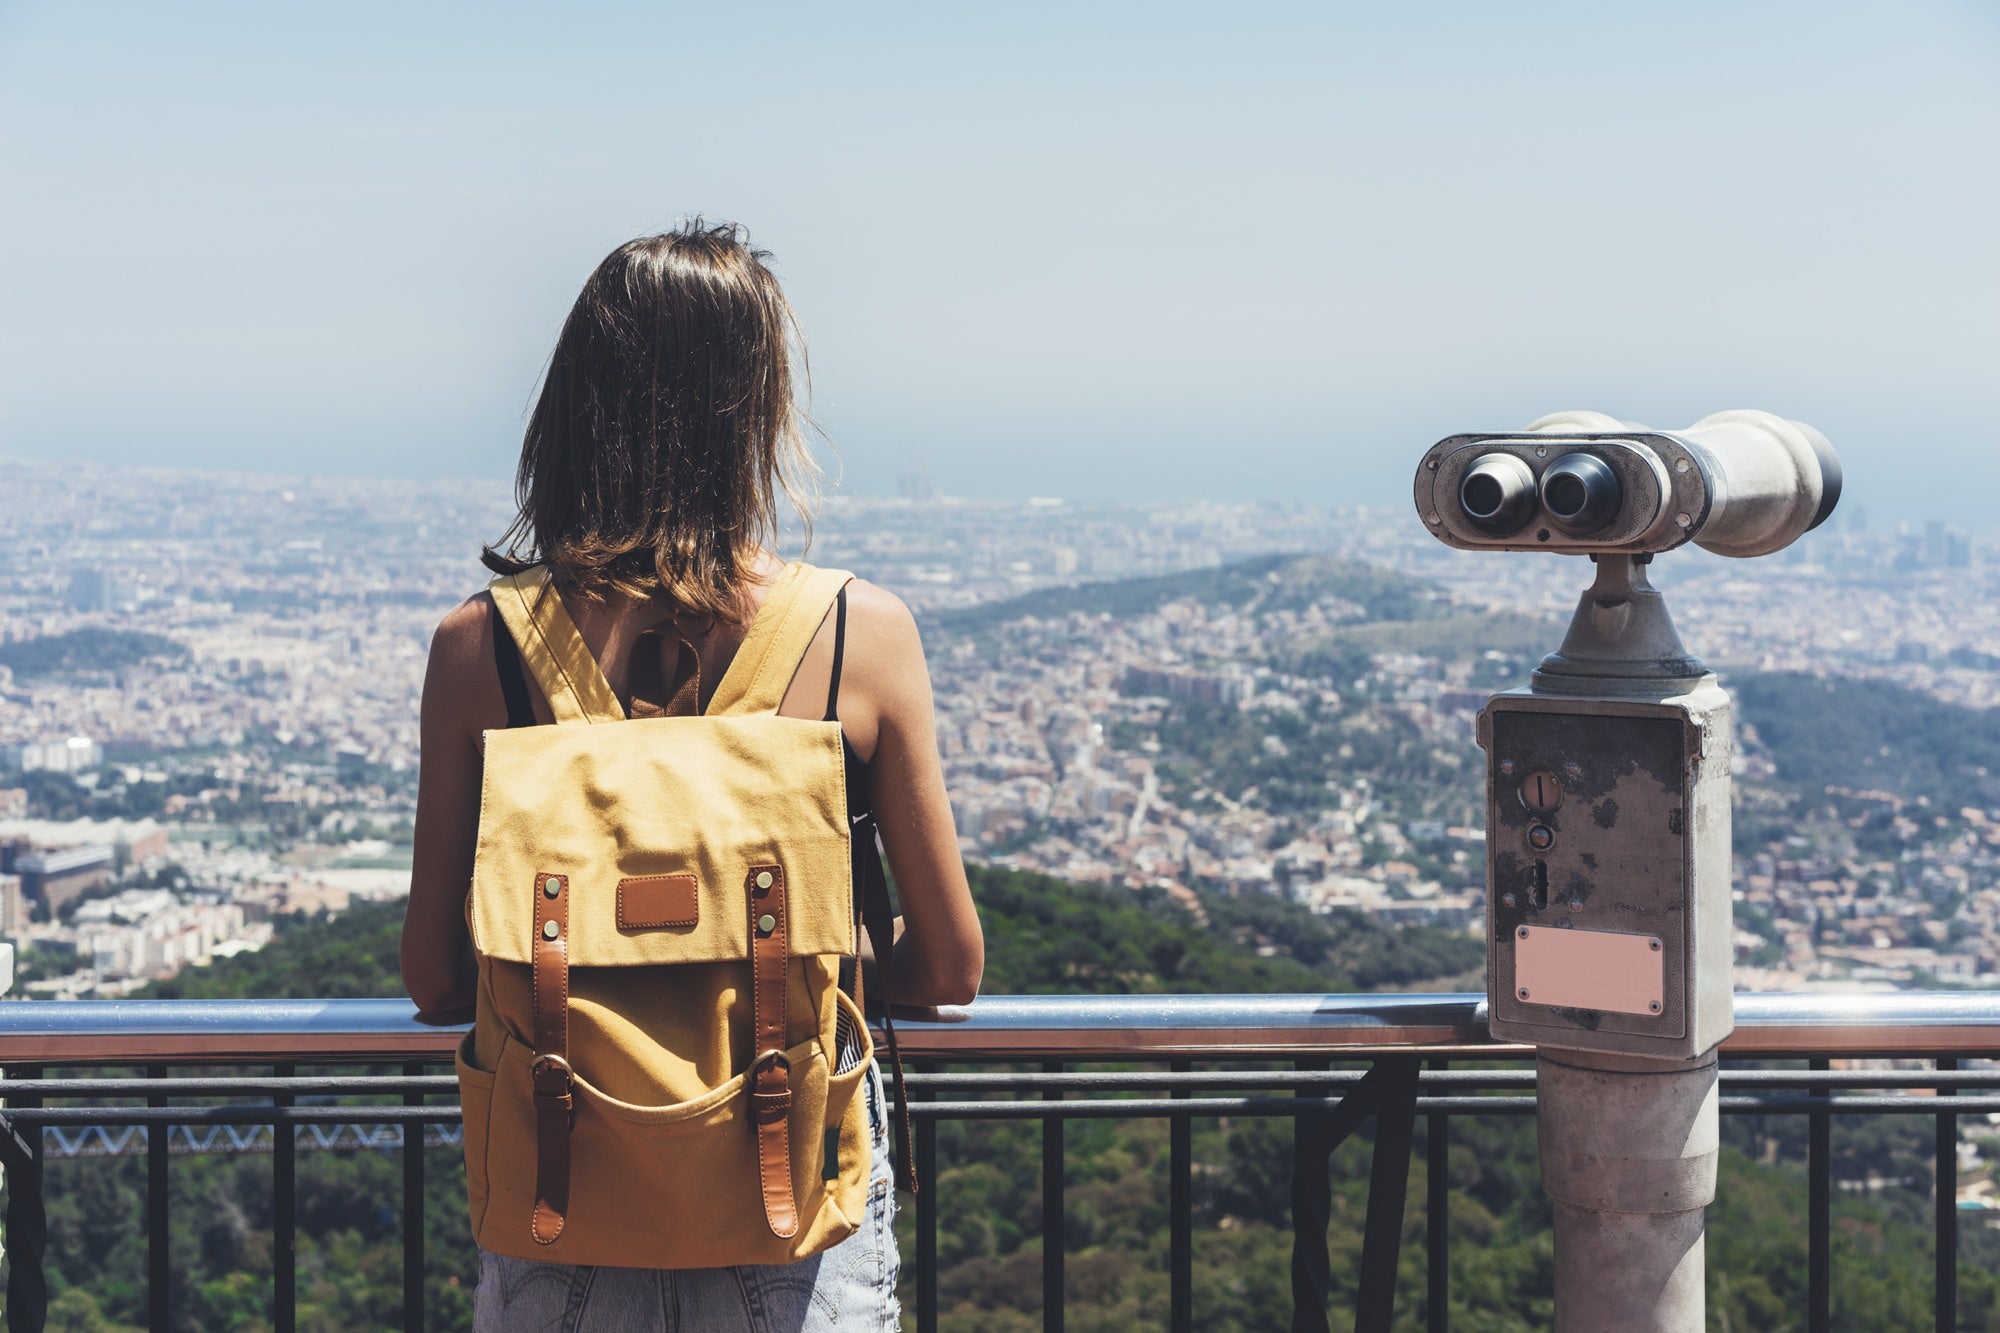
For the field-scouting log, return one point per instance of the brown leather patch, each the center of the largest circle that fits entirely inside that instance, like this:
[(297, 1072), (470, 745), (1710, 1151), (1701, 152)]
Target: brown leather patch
[(658, 900)]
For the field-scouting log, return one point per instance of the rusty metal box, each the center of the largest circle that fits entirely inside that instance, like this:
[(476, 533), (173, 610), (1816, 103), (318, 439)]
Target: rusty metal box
[(1608, 871)]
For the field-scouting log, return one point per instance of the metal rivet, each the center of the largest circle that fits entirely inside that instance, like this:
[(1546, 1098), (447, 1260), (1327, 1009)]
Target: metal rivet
[(1509, 899), (1680, 465), (766, 924), (1683, 519), (1541, 451), (1432, 465), (1522, 933), (1436, 517), (1576, 904), (1523, 992), (552, 887), (1655, 944), (550, 930), (764, 879), (1654, 1005)]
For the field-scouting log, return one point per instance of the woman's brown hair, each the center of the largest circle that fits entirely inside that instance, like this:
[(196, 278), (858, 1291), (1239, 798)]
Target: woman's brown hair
[(666, 427)]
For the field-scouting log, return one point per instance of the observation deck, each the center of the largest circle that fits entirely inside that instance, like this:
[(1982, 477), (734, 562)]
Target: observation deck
[(1326, 1063)]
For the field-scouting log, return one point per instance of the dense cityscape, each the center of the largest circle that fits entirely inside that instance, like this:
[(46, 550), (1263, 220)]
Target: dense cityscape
[(209, 684)]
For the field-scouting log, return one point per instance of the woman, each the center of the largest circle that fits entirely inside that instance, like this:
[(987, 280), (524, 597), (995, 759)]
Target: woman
[(648, 485)]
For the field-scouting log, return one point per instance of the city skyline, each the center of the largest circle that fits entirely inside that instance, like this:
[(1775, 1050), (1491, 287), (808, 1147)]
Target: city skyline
[(223, 672)]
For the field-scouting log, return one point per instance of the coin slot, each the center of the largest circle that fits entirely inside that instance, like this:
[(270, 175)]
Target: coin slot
[(1538, 892), (1541, 792)]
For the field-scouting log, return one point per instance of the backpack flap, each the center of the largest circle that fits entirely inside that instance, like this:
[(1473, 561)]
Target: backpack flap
[(658, 827)]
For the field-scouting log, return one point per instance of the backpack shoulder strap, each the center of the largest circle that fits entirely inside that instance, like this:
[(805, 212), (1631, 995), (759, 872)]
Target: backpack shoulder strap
[(784, 628), (552, 649)]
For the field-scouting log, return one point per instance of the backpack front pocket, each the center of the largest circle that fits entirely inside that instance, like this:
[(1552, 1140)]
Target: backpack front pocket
[(679, 1179)]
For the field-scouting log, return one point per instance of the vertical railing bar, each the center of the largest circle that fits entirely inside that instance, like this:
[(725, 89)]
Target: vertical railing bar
[(1819, 1213), (1312, 1197), (158, 1203), (413, 1211), (1180, 1204), (284, 1217), (1437, 1216), (1947, 1209), (27, 1219), (1055, 1227), (927, 1212), (1388, 1191)]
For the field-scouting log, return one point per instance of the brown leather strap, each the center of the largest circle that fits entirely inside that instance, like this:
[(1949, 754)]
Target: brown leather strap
[(552, 1079), (879, 918), (652, 694), (770, 1076)]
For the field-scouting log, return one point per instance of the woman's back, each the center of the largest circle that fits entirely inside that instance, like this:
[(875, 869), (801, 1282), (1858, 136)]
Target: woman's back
[(648, 486)]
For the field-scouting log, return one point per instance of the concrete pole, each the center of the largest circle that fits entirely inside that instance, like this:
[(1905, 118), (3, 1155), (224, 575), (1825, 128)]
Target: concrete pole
[(1628, 1149)]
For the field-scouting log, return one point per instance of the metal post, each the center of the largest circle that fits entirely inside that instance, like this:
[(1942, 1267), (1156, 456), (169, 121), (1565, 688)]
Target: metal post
[(1053, 1228), (1437, 1217), (1388, 1188), (1946, 1300), (27, 1220), (1628, 1148), (284, 1217), (1819, 1215), (927, 1212), (413, 1211), (158, 1210), (1180, 1276)]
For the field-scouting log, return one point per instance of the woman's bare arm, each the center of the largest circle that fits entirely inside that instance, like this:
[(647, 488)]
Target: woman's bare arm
[(438, 969), (941, 952)]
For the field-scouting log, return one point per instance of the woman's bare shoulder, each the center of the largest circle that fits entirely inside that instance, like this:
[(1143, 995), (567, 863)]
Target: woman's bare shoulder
[(880, 620), (460, 687), (464, 636)]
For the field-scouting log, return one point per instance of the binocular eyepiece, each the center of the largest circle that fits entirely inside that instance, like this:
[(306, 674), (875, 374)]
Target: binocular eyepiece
[(1579, 493), (1737, 483)]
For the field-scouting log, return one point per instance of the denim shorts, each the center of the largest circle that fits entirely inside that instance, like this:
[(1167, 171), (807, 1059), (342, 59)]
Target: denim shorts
[(851, 1286)]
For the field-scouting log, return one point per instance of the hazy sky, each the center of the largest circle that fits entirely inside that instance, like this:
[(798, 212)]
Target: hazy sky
[(1086, 250)]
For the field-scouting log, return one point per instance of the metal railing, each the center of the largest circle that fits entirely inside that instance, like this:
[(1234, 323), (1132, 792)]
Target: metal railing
[(1263, 1055)]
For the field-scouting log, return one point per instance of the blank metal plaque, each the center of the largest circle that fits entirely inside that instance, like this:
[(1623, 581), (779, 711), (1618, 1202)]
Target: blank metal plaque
[(1612, 971)]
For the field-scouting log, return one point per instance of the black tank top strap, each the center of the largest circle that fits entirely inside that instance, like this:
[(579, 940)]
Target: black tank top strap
[(513, 680), (839, 650)]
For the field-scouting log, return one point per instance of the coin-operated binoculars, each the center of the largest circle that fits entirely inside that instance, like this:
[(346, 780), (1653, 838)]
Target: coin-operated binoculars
[(1608, 939)]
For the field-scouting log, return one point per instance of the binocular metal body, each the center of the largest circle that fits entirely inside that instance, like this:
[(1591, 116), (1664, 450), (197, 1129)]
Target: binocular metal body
[(1737, 483), (1608, 774)]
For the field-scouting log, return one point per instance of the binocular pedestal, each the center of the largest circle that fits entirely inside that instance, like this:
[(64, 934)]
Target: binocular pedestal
[(1628, 1151), (1609, 945)]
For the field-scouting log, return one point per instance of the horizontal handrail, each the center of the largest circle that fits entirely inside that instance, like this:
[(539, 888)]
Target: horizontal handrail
[(1068, 1027)]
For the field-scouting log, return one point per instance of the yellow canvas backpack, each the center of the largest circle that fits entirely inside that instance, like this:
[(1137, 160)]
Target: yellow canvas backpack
[(665, 1071)]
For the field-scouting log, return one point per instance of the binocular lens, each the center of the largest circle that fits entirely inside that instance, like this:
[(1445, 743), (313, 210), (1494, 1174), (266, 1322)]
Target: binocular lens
[(1581, 493), (1498, 493)]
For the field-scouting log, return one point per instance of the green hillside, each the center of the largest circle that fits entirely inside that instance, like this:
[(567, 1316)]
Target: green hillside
[(1824, 731), (86, 652), (350, 956), (1271, 583)]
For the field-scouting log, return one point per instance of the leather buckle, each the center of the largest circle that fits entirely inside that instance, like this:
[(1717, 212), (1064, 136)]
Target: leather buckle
[(552, 1064)]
